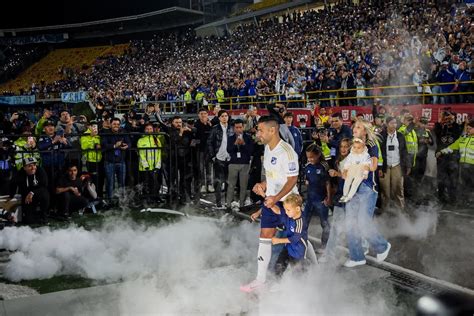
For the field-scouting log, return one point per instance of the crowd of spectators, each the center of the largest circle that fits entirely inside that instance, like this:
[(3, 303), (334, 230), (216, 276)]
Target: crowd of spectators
[(15, 58), (343, 47), (181, 159)]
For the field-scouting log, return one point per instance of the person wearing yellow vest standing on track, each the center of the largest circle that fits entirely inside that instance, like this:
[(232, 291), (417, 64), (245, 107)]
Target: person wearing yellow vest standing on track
[(409, 132), (149, 163), (465, 146)]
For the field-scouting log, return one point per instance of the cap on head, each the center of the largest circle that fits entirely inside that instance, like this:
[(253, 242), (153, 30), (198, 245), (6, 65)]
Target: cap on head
[(29, 160)]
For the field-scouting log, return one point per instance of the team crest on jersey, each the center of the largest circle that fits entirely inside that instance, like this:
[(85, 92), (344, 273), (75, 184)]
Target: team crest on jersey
[(274, 160), (292, 166), (292, 229), (318, 171)]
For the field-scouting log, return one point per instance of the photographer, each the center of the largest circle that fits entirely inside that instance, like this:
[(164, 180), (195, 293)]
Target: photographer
[(25, 147), (447, 131)]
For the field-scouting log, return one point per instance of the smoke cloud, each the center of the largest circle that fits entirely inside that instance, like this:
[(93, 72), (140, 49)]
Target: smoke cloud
[(194, 265)]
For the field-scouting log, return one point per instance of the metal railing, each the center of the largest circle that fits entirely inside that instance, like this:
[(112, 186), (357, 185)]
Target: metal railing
[(309, 98)]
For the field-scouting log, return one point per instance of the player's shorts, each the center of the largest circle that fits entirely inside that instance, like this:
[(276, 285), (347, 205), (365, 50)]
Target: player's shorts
[(270, 219)]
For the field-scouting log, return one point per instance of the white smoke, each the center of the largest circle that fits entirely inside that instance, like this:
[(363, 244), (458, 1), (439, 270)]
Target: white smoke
[(193, 266), (417, 225), (121, 251)]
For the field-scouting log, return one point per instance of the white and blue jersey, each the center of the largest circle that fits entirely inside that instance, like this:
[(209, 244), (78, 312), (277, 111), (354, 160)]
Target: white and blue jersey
[(317, 177), (371, 180), (296, 230)]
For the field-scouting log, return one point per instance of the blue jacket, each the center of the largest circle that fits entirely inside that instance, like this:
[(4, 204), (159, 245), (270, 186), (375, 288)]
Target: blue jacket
[(296, 230), (246, 151), (52, 154), (317, 177), (297, 138), (446, 75), (463, 75), (112, 154)]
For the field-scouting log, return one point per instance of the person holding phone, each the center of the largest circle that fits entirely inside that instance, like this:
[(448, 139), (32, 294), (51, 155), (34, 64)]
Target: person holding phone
[(25, 147)]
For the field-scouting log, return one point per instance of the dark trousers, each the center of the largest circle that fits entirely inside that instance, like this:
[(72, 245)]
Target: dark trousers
[(447, 178), (30, 213), (151, 181), (68, 202), (221, 171), (96, 169), (284, 259), (181, 178), (466, 187)]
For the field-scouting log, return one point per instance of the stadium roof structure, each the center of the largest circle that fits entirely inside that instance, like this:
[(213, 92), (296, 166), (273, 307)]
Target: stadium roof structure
[(214, 26), (168, 18)]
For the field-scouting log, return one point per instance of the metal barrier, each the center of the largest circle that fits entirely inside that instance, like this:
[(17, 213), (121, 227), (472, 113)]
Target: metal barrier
[(308, 99), (177, 165)]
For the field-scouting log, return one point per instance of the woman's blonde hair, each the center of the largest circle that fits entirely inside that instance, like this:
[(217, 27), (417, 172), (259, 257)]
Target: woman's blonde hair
[(294, 199), (368, 129)]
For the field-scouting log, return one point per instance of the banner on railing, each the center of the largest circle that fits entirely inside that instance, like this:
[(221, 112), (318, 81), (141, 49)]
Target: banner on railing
[(430, 111), (18, 100), (74, 97)]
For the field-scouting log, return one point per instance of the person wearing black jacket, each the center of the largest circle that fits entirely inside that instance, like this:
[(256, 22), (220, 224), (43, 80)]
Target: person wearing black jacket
[(180, 141), (240, 148), (32, 185), (217, 150), (396, 164), (447, 131), (203, 130), (115, 146)]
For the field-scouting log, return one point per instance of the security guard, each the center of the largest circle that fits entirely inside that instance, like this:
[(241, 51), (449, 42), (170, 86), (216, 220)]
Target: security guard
[(149, 163), (465, 146), (425, 139), (408, 130), (188, 100), (220, 96)]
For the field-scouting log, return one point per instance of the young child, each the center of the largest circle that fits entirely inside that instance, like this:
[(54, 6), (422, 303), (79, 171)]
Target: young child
[(296, 234), (356, 169), (318, 191)]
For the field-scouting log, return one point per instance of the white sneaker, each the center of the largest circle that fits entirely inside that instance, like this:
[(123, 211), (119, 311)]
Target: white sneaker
[(351, 263), (210, 188), (320, 251), (203, 189), (247, 202), (252, 286), (323, 259), (382, 256), (343, 199), (234, 205)]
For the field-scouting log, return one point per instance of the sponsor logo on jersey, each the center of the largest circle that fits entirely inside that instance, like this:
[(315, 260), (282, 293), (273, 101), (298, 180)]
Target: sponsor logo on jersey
[(292, 166)]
